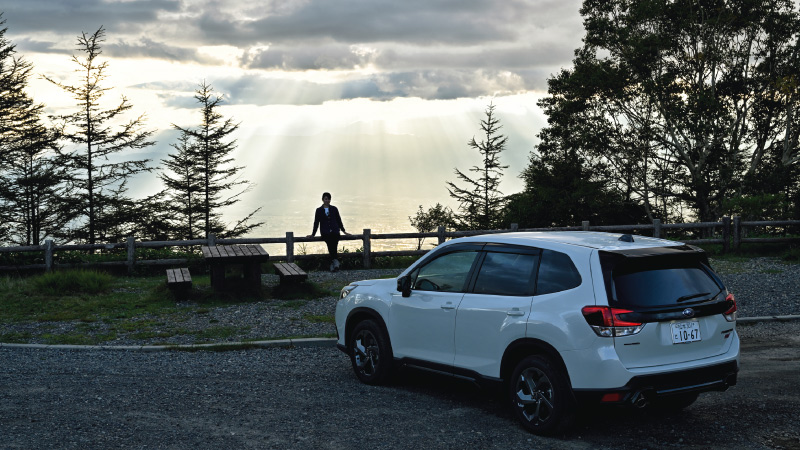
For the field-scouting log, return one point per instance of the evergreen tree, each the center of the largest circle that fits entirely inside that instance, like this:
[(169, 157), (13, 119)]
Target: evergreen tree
[(208, 157), (683, 100), (481, 202), (98, 135), (184, 183), (31, 176)]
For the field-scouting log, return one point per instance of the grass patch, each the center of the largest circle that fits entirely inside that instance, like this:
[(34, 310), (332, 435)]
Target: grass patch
[(71, 282), (16, 337), (326, 318), (77, 338), (35, 299)]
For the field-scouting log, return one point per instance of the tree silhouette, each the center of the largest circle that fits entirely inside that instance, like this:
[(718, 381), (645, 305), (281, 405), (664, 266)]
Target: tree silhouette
[(481, 202), (97, 136), (204, 165)]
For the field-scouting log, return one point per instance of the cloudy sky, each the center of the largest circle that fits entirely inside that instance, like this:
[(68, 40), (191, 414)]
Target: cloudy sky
[(366, 98)]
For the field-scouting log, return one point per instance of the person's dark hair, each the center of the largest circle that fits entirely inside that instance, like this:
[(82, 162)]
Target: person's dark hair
[(326, 194)]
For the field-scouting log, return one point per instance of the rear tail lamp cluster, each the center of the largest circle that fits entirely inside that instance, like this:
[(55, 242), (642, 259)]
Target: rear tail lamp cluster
[(730, 314), (607, 321)]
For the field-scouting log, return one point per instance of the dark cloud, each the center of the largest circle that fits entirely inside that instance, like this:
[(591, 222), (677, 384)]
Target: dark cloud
[(435, 49), (324, 57), (422, 22), (147, 48), (71, 17)]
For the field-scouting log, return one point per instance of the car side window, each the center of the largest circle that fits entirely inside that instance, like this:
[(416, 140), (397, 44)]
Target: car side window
[(506, 274), (557, 273), (447, 273)]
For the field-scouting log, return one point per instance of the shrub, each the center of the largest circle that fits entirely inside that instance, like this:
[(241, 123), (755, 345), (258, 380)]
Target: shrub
[(71, 281)]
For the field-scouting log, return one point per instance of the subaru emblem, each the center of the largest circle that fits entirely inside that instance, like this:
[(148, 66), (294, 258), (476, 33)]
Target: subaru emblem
[(688, 312)]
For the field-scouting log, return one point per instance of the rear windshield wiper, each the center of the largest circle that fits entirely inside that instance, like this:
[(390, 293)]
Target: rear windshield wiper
[(691, 296)]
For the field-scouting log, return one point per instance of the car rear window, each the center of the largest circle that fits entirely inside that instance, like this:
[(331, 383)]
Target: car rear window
[(663, 281), (506, 274), (557, 273)]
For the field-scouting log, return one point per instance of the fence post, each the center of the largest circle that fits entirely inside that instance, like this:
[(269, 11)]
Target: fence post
[(48, 255), (585, 225), (290, 246), (657, 228), (514, 227), (737, 232), (367, 248), (131, 254), (441, 231), (726, 235), (212, 239)]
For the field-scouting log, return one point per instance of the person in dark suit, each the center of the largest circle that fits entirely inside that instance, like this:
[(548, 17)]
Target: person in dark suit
[(329, 222)]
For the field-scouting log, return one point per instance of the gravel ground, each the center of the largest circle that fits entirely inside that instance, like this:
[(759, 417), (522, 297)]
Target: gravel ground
[(308, 398)]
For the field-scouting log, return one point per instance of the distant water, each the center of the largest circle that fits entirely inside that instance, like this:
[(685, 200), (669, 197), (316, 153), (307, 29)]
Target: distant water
[(380, 215)]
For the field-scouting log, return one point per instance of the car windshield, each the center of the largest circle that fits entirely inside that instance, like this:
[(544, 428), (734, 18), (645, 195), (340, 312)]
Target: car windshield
[(660, 281)]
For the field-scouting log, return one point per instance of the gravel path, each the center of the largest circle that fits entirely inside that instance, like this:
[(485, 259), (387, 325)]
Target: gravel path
[(308, 398)]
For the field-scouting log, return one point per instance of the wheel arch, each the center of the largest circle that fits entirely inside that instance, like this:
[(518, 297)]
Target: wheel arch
[(358, 315), (521, 348)]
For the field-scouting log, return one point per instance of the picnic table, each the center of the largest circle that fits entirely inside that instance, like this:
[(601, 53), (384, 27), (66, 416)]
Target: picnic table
[(248, 256)]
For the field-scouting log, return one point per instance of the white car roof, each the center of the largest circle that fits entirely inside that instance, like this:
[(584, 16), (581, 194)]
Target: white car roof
[(588, 239)]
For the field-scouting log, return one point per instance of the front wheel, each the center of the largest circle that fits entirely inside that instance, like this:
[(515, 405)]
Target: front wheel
[(370, 352), (541, 397)]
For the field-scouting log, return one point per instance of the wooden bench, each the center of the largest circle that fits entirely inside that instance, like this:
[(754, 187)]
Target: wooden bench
[(179, 279), (290, 273)]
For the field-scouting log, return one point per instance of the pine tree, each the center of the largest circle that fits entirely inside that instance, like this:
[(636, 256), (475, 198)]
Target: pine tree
[(208, 158), (481, 202), (30, 185), (98, 135), (184, 183)]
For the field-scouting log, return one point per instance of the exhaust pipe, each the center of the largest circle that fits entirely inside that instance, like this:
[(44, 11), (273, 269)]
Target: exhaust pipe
[(639, 399)]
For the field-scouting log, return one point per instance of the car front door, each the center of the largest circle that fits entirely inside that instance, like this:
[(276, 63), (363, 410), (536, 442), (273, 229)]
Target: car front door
[(423, 324)]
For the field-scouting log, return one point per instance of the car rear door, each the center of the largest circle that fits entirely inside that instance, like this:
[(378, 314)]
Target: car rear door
[(495, 310)]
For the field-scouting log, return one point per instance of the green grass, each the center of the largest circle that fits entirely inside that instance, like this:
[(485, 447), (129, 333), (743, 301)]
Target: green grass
[(91, 308), (327, 318)]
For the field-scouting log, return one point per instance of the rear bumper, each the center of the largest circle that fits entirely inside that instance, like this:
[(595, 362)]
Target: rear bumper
[(718, 377)]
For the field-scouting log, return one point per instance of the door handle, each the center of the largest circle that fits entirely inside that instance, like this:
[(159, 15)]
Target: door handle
[(449, 305), (515, 312)]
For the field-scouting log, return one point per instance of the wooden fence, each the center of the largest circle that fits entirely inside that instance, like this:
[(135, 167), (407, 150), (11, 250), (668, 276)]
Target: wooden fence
[(730, 233)]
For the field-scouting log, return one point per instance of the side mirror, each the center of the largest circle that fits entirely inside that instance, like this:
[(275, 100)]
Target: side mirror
[(404, 285)]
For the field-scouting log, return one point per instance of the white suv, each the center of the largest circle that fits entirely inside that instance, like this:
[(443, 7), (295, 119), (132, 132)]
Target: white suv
[(556, 318)]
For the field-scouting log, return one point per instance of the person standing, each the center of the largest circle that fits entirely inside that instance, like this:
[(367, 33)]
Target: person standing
[(329, 222)]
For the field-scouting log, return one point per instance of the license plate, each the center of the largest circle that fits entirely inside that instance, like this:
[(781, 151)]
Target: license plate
[(683, 332)]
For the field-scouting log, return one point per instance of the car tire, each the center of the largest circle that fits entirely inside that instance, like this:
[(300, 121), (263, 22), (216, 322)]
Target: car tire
[(370, 352), (674, 403), (541, 397)]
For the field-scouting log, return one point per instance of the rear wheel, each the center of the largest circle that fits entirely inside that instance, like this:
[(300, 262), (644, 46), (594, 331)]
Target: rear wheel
[(541, 397), (370, 352)]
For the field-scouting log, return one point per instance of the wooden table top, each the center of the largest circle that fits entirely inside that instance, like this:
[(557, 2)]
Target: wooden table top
[(234, 252)]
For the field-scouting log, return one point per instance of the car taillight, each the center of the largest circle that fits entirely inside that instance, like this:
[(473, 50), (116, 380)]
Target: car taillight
[(730, 314), (606, 321)]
